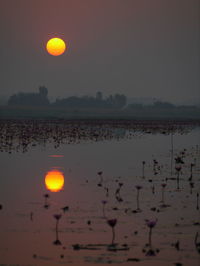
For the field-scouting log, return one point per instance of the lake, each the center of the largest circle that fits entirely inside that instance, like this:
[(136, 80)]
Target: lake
[(92, 193)]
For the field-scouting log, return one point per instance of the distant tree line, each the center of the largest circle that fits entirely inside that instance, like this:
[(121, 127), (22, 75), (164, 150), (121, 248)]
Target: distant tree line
[(30, 99), (116, 101), (160, 105), (40, 99), (113, 101)]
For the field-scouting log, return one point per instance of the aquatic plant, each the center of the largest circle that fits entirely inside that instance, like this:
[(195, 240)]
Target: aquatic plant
[(66, 208), (57, 217), (153, 189), (197, 207), (172, 151), (112, 223), (150, 252), (179, 160), (143, 165), (117, 193), (191, 187), (151, 224), (163, 193), (191, 171), (178, 169)]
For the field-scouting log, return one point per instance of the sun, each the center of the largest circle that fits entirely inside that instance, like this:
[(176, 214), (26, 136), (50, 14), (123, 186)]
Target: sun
[(54, 180), (56, 46)]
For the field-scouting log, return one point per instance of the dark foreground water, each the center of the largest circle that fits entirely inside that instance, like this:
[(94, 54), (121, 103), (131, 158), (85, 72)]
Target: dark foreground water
[(114, 172)]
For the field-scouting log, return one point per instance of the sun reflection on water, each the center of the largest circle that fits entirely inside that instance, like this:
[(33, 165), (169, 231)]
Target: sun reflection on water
[(54, 180)]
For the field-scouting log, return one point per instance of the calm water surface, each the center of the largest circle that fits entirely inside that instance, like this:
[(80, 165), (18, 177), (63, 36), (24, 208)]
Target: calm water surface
[(28, 226)]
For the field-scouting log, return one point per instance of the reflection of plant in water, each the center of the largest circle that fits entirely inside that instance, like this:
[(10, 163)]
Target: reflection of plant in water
[(57, 242), (46, 205), (191, 171), (57, 217), (101, 178), (197, 244), (156, 168), (176, 245), (31, 216), (117, 193), (112, 223), (163, 196), (104, 202), (163, 191), (107, 191), (191, 187), (137, 198), (66, 208)]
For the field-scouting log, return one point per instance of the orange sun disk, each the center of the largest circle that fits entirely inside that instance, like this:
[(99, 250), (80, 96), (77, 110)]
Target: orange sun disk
[(54, 180), (56, 46)]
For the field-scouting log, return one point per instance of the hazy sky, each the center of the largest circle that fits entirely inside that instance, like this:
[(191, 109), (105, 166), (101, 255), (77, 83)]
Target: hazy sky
[(142, 48)]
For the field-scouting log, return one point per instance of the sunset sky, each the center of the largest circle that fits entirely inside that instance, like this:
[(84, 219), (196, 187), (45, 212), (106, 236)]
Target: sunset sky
[(142, 48)]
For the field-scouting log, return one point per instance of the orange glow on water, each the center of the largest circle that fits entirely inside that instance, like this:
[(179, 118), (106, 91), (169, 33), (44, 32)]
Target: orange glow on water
[(56, 46), (54, 180)]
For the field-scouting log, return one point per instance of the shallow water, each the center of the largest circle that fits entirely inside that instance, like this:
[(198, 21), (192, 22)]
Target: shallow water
[(27, 228)]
